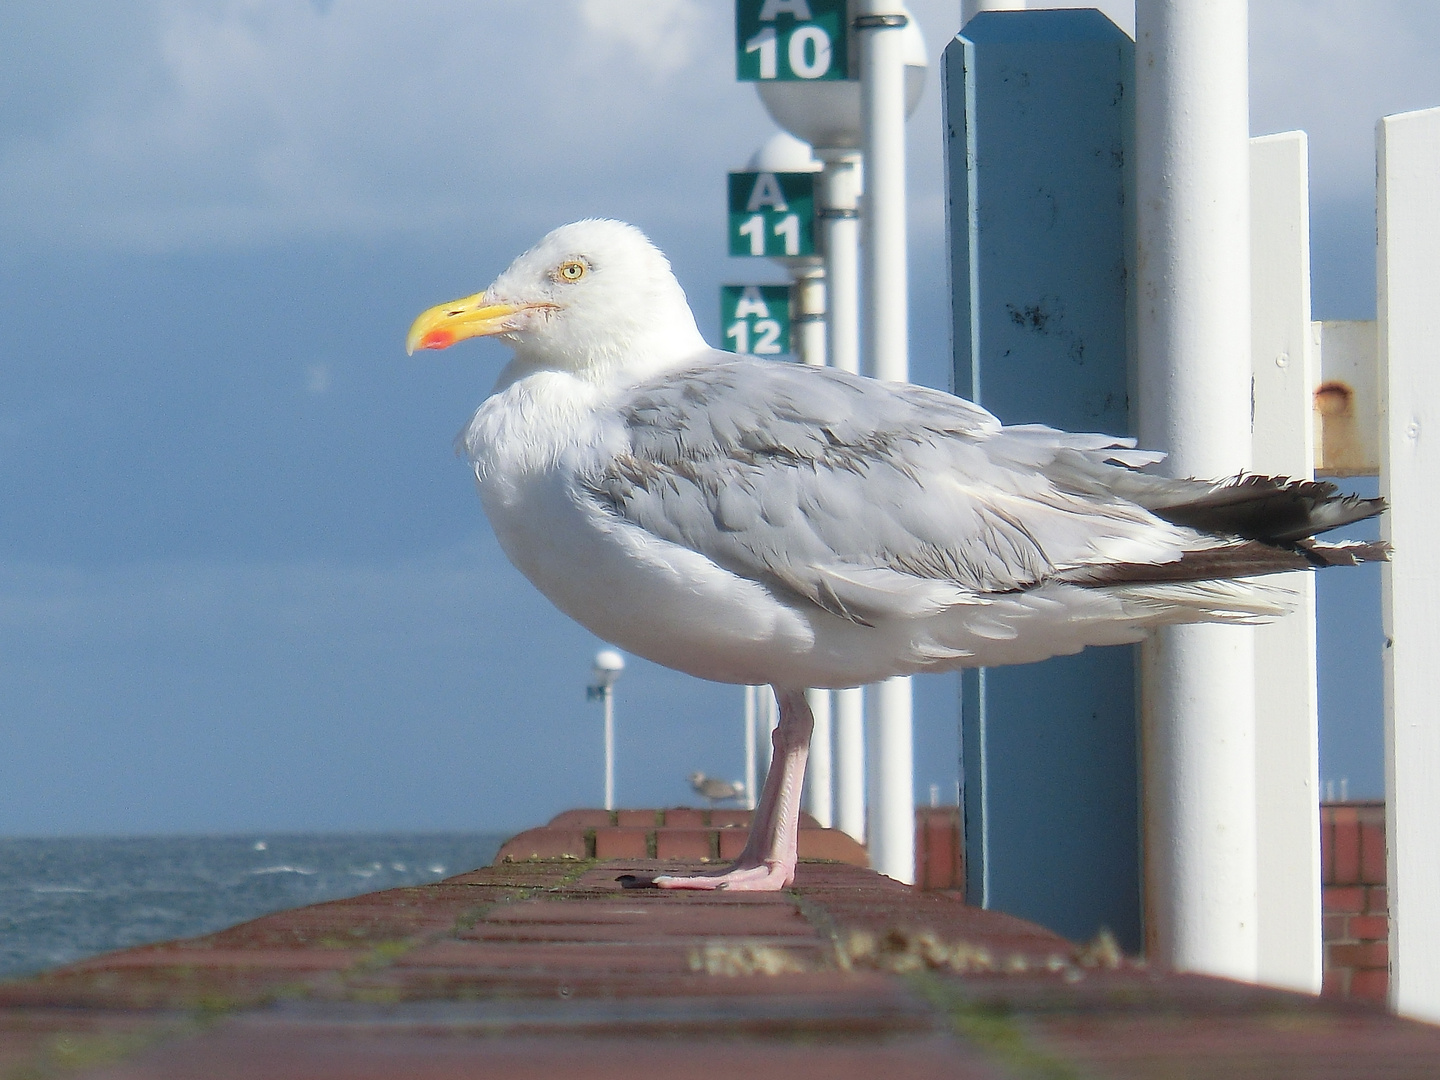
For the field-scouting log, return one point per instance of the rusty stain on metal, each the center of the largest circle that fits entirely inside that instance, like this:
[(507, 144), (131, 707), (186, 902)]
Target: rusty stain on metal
[(1340, 447), (1334, 398)]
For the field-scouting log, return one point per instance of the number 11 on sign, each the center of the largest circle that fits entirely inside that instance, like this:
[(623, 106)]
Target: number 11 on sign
[(772, 213), (787, 229)]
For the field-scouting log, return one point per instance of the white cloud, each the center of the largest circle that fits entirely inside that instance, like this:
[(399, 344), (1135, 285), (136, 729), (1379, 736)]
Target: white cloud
[(195, 123), (243, 121), (665, 35)]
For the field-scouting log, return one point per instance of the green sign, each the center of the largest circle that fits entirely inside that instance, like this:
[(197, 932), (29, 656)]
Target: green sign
[(755, 319), (772, 213), (791, 40)]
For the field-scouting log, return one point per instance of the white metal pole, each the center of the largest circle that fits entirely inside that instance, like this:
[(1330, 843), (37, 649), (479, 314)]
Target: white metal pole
[(1197, 682), (819, 785), (849, 766), (609, 747), (808, 324), (892, 780), (880, 25), (767, 719), (750, 770), (840, 184)]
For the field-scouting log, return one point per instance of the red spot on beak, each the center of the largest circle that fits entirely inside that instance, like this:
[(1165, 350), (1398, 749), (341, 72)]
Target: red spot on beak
[(438, 338)]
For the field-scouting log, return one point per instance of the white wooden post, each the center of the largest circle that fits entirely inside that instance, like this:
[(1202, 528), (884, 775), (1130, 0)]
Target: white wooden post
[(1193, 337), (1287, 743), (880, 28), (1408, 310)]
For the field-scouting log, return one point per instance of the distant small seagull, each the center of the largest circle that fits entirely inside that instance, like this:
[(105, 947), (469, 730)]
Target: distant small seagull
[(714, 789), (752, 522)]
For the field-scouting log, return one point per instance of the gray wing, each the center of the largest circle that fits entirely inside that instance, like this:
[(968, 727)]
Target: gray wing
[(868, 499)]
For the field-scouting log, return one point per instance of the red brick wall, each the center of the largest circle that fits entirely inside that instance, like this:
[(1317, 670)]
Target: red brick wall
[(1356, 922), (939, 858), (1352, 848)]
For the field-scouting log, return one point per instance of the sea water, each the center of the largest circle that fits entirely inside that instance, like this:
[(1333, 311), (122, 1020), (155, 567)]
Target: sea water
[(62, 899)]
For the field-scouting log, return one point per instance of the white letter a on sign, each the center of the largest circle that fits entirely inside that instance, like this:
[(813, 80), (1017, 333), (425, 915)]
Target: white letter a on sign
[(766, 192), (799, 8), (751, 303)]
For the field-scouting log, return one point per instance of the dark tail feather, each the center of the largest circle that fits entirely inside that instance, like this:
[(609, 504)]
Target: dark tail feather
[(1270, 509), (1345, 553), (1246, 558)]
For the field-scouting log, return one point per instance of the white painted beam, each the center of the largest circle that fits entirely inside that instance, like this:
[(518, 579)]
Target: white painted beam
[(1287, 743), (1408, 309)]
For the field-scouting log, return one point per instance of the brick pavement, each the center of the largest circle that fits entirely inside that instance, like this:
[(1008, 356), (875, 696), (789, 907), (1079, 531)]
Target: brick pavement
[(548, 968)]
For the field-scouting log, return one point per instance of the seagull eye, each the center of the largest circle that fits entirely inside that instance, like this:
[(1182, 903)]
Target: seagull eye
[(572, 270)]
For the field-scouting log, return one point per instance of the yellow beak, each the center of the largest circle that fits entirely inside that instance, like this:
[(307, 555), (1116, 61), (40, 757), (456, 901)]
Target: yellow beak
[(445, 324)]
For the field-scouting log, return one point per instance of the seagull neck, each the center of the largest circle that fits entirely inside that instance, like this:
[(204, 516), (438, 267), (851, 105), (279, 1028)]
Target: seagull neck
[(627, 363)]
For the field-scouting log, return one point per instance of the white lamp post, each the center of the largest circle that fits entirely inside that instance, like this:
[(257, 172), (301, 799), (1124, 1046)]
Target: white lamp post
[(604, 671), (827, 115), (881, 27), (783, 152)]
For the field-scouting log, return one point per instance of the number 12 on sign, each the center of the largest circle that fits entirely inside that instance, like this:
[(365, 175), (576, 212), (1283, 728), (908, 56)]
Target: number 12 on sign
[(755, 319)]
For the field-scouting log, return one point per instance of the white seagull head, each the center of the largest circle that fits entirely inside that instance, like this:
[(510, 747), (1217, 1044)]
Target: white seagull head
[(595, 298)]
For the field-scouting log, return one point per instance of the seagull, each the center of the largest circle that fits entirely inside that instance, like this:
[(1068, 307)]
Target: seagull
[(714, 790), (759, 522)]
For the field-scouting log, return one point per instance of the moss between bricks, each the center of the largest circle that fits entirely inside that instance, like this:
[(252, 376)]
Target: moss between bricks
[(996, 1031)]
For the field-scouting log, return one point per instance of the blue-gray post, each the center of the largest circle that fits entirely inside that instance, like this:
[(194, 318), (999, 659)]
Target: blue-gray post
[(1040, 123)]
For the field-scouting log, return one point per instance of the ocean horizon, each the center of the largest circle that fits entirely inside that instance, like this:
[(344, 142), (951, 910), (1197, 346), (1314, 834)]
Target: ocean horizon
[(63, 899)]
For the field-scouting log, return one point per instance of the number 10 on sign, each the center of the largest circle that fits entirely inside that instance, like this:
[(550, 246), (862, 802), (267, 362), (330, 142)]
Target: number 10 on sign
[(790, 40), (755, 319)]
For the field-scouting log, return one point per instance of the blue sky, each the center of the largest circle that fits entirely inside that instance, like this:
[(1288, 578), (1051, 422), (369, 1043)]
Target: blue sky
[(244, 583)]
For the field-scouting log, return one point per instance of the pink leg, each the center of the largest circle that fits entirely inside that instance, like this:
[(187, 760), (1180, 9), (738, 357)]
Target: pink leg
[(768, 862)]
